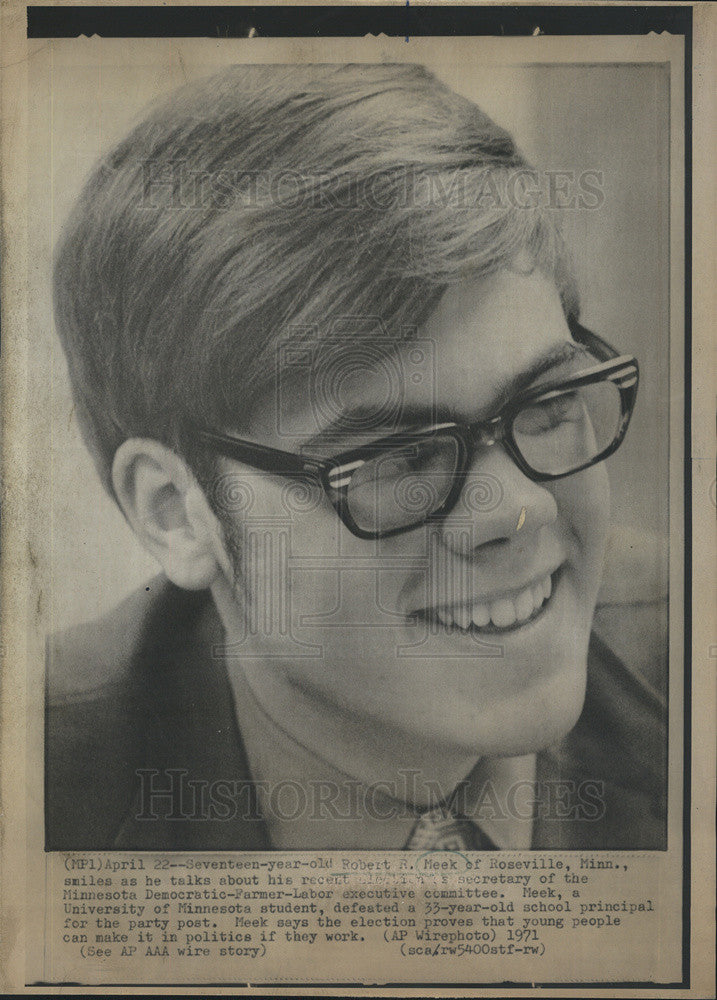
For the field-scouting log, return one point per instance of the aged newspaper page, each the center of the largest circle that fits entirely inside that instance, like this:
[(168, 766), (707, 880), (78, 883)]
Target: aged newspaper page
[(358, 579)]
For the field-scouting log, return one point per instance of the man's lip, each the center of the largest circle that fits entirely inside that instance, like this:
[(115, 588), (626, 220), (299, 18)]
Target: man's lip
[(507, 594)]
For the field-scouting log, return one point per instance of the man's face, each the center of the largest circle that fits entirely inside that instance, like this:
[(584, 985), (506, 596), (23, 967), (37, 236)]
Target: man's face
[(385, 642)]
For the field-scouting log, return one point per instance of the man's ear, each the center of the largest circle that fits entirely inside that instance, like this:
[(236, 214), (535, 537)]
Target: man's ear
[(169, 513)]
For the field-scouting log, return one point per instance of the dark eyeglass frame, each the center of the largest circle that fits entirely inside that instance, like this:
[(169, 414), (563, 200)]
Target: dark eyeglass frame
[(622, 370)]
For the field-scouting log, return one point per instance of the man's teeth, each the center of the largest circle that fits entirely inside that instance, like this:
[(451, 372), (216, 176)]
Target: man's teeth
[(503, 612)]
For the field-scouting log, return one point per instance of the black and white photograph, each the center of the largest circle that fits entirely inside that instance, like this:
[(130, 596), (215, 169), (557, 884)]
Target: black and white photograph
[(328, 348), (357, 527)]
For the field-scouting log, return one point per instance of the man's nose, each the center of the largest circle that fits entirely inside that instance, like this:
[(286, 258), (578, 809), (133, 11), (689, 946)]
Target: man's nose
[(497, 503)]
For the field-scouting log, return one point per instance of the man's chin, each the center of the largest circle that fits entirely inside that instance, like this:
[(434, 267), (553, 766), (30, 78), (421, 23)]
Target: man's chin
[(542, 716)]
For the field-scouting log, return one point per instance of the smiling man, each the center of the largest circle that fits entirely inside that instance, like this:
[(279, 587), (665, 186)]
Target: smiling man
[(329, 364)]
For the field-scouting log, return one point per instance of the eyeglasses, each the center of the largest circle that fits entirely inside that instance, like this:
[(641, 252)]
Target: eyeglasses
[(402, 480)]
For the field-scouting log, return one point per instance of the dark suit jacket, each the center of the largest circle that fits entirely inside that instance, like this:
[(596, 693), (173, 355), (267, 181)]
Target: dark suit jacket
[(138, 693)]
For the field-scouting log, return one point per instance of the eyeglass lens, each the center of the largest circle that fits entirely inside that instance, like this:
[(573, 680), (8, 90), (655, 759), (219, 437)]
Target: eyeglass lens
[(403, 487), (568, 429)]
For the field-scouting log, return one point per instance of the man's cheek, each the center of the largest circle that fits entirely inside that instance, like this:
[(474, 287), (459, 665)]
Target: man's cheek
[(314, 595), (598, 505), (583, 501)]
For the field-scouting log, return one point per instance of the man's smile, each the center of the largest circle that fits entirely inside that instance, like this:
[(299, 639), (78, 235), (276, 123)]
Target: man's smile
[(503, 612)]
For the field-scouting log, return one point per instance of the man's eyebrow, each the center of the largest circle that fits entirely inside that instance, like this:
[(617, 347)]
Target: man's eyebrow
[(559, 355), (357, 422), (366, 422)]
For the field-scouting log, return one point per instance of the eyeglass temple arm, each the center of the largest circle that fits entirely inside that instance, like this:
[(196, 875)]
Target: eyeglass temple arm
[(262, 457)]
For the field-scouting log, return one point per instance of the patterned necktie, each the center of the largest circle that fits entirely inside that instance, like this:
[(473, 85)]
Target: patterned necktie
[(440, 829)]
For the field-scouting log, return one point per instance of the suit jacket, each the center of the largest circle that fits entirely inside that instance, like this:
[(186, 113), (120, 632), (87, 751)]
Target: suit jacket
[(136, 699)]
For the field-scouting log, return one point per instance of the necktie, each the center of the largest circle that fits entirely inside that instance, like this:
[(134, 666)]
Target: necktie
[(440, 829)]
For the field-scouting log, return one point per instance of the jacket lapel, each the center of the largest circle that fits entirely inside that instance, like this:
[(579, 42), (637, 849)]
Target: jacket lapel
[(607, 776), (194, 790)]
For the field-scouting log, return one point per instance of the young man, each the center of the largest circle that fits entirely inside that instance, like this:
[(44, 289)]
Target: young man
[(325, 350)]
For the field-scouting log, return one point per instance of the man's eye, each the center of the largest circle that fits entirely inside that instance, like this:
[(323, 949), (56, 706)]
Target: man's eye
[(432, 455), (548, 414), (412, 460)]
